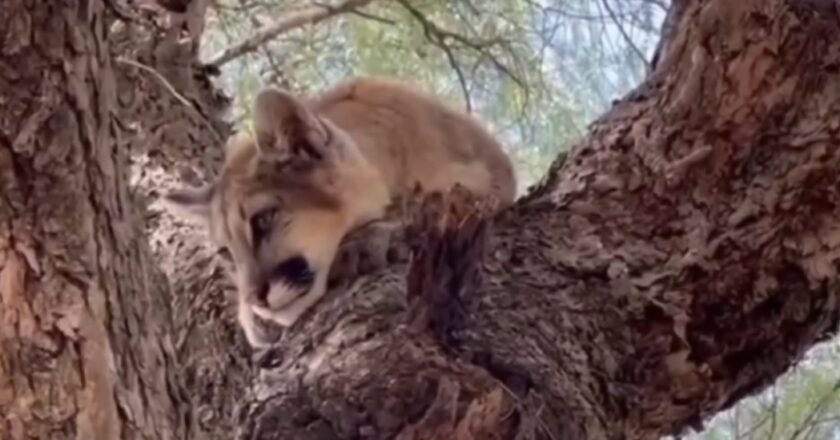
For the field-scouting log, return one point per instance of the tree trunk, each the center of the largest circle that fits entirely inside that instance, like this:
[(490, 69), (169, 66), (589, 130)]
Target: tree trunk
[(175, 114), (681, 258), (85, 322)]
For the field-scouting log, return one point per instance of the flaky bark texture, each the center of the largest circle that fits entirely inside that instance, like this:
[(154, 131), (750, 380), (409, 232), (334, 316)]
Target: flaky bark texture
[(85, 324), (681, 258), (177, 133)]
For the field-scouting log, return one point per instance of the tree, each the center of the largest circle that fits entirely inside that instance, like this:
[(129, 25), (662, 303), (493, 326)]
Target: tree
[(680, 258), (659, 274), (85, 324), (802, 404)]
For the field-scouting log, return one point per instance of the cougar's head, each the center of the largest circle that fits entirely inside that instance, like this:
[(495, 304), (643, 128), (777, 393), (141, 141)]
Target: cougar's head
[(284, 199)]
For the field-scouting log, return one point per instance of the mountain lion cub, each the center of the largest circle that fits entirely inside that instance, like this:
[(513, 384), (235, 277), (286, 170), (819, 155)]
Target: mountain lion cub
[(315, 169)]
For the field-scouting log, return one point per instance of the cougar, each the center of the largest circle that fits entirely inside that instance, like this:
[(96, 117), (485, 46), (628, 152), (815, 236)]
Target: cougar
[(314, 169)]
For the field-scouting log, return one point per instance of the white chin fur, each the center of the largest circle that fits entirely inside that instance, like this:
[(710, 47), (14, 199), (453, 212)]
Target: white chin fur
[(293, 306), (281, 295), (253, 333)]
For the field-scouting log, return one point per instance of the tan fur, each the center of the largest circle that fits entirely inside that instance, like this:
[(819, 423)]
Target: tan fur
[(324, 166), (411, 137)]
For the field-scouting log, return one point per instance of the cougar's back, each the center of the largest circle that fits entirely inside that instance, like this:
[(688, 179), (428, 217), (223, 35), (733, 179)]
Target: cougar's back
[(412, 137)]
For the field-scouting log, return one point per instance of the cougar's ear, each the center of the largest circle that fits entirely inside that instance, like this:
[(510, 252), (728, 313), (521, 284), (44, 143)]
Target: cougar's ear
[(286, 127), (191, 202)]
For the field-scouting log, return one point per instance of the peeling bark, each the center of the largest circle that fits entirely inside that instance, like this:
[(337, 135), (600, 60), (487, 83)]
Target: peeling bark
[(84, 315)]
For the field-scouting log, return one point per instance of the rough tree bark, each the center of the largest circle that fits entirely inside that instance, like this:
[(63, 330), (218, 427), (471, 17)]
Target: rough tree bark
[(682, 257), (177, 131), (85, 325)]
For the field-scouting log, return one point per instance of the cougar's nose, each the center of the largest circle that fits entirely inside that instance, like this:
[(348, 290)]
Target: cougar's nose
[(294, 271)]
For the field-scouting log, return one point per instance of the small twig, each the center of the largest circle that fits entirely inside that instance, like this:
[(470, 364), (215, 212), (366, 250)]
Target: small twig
[(773, 414), (659, 3), (625, 35), (439, 37), (373, 17), (286, 23), (168, 86), (473, 9), (159, 77), (557, 11), (462, 80), (816, 410)]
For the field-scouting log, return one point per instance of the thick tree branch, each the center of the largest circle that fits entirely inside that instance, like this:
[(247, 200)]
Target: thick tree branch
[(85, 326), (293, 20), (177, 131), (682, 257), (669, 28)]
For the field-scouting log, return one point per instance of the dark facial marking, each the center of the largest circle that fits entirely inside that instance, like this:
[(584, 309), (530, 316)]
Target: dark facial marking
[(294, 271)]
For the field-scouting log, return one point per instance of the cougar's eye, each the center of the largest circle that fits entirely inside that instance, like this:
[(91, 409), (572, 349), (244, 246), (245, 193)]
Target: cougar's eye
[(262, 223)]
